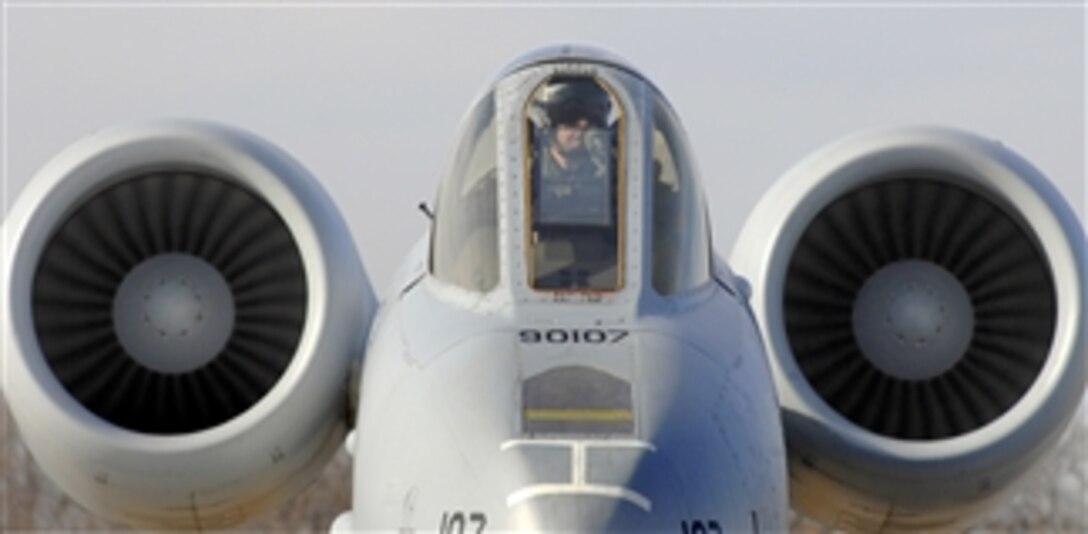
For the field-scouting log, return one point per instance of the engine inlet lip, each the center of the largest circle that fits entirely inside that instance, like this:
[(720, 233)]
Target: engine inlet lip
[(105, 158), (980, 164), (310, 390)]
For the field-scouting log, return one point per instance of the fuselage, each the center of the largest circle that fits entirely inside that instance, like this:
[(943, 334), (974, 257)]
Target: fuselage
[(193, 331), (582, 364)]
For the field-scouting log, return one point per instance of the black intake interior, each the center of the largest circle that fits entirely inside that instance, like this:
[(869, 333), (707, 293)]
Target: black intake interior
[(997, 261), (106, 236)]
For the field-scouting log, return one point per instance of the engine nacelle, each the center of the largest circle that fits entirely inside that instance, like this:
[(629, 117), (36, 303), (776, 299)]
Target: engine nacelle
[(185, 306), (921, 293)]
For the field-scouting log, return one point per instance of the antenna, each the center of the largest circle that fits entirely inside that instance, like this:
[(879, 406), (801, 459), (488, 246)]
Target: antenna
[(426, 210)]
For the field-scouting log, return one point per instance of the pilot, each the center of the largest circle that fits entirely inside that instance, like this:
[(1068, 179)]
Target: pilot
[(574, 156)]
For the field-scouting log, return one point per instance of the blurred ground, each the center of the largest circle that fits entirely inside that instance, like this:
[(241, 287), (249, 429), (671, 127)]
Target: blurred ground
[(1054, 500)]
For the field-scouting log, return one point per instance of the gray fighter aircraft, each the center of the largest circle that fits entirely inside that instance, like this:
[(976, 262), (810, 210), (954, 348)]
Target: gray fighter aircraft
[(900, 340)]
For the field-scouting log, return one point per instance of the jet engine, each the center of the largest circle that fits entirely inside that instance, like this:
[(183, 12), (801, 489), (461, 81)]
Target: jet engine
[(184, 308), (921, 293)]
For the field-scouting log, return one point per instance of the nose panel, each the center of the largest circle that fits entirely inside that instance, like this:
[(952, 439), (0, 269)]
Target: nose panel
[(527, 443), (594, 486), (581, 513), (577, 400)]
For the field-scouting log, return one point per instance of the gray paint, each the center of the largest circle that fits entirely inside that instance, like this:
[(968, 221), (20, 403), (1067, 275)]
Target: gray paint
[(719, 407)]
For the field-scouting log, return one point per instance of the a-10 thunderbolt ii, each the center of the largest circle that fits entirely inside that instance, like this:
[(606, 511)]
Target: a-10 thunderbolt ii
[(897, 339)]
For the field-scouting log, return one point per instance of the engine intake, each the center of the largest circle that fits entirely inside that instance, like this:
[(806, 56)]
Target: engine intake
[(920, 292), (180, 357), (170, 302), (918, 309)]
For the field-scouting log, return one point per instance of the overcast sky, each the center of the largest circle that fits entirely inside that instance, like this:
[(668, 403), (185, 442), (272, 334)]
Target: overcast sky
[(369, 99)]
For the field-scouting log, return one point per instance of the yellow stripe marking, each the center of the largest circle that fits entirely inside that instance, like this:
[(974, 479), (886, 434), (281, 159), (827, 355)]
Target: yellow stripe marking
[(580, 415)]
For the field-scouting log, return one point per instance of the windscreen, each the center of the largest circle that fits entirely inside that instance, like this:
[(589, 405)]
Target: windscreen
[(465, 242), (681, 238), (575, 223)]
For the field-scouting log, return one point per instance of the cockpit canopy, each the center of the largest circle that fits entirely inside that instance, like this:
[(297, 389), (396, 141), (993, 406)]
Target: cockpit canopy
[(573, 133), (573, 125), (465, 239)]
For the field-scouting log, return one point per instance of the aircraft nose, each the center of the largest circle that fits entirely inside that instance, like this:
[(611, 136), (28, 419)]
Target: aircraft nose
[(583, 485)]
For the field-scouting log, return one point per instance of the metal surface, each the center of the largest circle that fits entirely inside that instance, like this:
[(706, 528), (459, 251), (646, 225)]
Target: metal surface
[(919, 293), (173, 313), (913, 320), (207, 447), (877, 451)]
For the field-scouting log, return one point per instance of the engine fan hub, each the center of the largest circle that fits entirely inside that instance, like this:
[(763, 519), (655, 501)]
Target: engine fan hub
[(173, 313), (913, 320), (174, 307)]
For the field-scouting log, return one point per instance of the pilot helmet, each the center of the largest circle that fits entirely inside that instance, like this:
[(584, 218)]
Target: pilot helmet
[(568, 100)]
